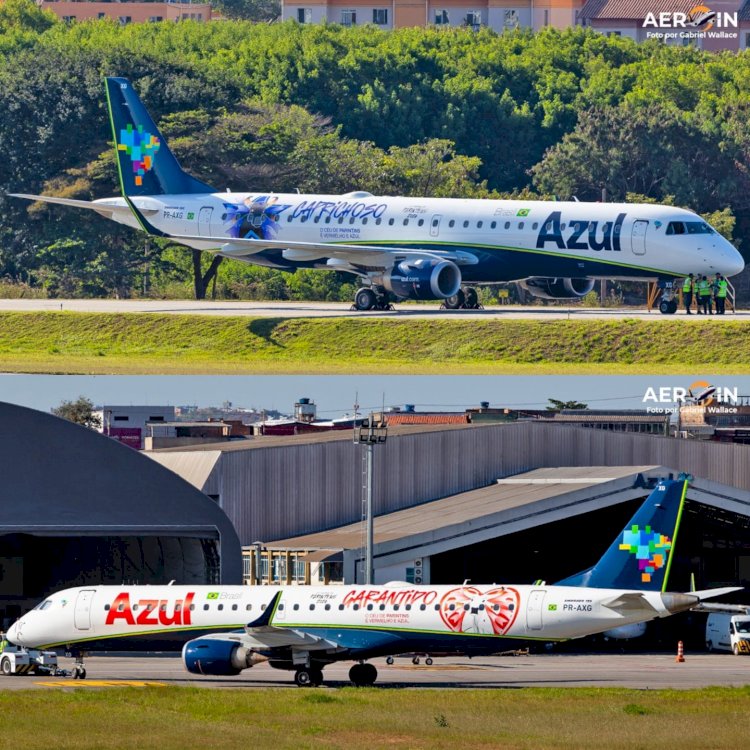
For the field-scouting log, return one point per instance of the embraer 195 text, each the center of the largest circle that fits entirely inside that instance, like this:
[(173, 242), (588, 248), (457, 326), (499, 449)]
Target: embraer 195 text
[(225, 629), (403, 248)]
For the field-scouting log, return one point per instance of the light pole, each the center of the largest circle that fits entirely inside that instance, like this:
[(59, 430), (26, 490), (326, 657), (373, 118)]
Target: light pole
[(370, 433)]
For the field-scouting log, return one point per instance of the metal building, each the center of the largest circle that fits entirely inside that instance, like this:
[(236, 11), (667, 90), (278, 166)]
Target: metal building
[(79, 508)]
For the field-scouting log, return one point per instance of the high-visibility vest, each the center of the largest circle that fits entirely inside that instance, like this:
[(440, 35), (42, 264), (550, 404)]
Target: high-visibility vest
[(688, 285), (704, 288), (722, 290)]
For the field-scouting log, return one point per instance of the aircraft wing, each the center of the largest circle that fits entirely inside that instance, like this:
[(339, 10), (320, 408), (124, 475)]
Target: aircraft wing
[(356, 255), (272, 637)]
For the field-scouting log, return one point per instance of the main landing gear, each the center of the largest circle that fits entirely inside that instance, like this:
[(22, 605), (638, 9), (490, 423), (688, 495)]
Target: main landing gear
[(368, 298), (308, 677), (363, 675), (465, 299)]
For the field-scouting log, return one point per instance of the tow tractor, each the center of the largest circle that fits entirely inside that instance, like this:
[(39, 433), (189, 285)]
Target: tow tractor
[(18, 660)]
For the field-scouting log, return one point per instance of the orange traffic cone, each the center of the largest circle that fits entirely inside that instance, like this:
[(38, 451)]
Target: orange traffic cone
[(680, 652)]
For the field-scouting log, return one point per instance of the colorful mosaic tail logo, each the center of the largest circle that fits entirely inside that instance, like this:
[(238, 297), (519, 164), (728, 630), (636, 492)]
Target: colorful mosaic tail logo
[(141, 146), (650, 548)]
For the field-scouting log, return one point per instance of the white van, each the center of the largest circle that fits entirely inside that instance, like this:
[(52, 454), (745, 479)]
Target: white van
[(725, 632)]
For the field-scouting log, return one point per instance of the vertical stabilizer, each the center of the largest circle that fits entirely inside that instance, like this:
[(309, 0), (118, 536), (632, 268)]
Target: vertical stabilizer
[(641, 556), (146, 165)]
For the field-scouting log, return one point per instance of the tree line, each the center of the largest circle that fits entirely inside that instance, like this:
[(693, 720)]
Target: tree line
[(322, 108)]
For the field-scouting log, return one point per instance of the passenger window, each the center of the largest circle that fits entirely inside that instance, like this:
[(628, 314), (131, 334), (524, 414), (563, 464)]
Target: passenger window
[(395, 607), (163, 607), (328, 219), (304, 219), (452, 223), (341, 219), (420, 222), (390, 222), (150, 607), (520, 225), (406, 222), (493, 225), (466, 607), (364, 221), (479, 224), (316, 219), (507, 225), (452, 607), (135, 607), (328, 606), (221, 606), (205, 607), (341, 606), (534, 225), (295, 607), (281, 606), (466, 224), (562, 226), (234, 608), (192, 607), (369, 606), (106, 607), (377, 221), (248, 607), (407, 606), (351, 220), (423, 607), (382, 607), (312, 607), (178, 607), (289, 218), (262, 607), (435, 222), (511, 607), (496, 607), (437, 608), (355, 607)]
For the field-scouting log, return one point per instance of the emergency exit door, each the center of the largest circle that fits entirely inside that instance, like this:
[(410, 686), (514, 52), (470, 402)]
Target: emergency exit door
[(204, 221), (638, 237), (435, 226), (534, 609), (82, 614)]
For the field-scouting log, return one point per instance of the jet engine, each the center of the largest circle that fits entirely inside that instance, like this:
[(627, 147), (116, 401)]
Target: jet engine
[(218, 657), (548, 288), (422, 278)]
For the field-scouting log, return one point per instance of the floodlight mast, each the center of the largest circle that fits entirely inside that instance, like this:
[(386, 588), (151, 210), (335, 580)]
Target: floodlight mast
[(370, 433)]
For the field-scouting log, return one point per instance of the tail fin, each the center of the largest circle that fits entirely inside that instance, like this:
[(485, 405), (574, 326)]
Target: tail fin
[(146, 165), (641, 556)]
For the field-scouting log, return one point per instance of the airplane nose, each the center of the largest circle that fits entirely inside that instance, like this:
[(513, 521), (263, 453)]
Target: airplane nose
[(735, 263), (12, 634)]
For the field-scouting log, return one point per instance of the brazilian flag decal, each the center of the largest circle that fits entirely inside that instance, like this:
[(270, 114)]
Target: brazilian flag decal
[(523, 212), (552, 607), (212, 595)]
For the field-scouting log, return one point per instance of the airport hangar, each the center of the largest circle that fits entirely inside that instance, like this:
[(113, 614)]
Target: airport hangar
[(501, 502), (78, 508)]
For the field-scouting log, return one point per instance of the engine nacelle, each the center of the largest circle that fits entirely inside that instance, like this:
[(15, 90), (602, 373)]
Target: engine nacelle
[(548, 288), (423, 278), (218, 657)]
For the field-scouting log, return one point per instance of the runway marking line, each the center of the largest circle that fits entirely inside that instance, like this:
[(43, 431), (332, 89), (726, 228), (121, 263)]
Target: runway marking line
[(101, 683)]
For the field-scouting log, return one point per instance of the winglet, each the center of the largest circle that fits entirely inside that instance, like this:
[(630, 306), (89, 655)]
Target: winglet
[(267, 615)]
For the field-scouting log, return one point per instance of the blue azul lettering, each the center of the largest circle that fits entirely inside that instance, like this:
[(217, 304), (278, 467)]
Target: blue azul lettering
[(582, 235)]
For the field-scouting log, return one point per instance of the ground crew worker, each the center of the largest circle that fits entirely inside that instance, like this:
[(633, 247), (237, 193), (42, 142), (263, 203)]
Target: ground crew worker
[(688, 289), (721, 294), (704, 296)]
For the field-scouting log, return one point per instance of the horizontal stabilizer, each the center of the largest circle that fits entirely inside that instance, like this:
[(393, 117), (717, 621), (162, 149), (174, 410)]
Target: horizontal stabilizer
[(711, 593), (100, 207), (628, 602)]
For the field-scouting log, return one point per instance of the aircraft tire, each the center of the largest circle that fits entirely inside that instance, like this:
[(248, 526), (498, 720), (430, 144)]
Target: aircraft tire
[(365, 299), (389, 660), (363, 675), (668, 307), (471, 298), (428, 661), (456, 302), (317, 676), (304, 677)]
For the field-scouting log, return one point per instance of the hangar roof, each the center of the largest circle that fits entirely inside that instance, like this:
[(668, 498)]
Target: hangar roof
[(61, 479), (509, 505)]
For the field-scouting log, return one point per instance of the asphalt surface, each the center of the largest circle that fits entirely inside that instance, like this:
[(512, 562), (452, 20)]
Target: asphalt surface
[(339, 310), (650, 671)]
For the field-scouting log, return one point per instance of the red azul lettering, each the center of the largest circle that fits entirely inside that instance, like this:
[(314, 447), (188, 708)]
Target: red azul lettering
[(152, 611)]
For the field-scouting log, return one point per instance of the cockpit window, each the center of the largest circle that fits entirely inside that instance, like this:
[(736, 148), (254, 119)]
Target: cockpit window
[(44, 605), (689, 227)]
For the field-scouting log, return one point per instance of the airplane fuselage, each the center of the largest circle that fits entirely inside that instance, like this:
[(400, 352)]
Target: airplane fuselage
[(498, 240), (360, 620)]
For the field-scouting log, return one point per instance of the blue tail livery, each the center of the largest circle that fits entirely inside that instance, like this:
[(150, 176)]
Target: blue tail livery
[(641, 556), (146, 165)]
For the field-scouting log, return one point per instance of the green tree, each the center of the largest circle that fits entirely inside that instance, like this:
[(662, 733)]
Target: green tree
[(557, 405), (80, 411)]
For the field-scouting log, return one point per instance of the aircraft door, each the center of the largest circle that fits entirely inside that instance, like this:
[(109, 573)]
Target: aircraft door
[(534, 609), (638, 237), (435, 226), (82, 614), (204, 221)]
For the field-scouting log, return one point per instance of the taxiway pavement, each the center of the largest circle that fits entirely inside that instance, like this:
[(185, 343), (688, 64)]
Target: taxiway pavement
[(649, 671)]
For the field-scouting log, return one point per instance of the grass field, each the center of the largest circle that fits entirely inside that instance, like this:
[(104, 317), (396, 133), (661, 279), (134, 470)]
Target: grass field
[(172, 717), (108, 343)]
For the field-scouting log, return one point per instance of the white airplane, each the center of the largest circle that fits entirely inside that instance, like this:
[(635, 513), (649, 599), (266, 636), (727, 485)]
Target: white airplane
[(223, 630), (402, 247)]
